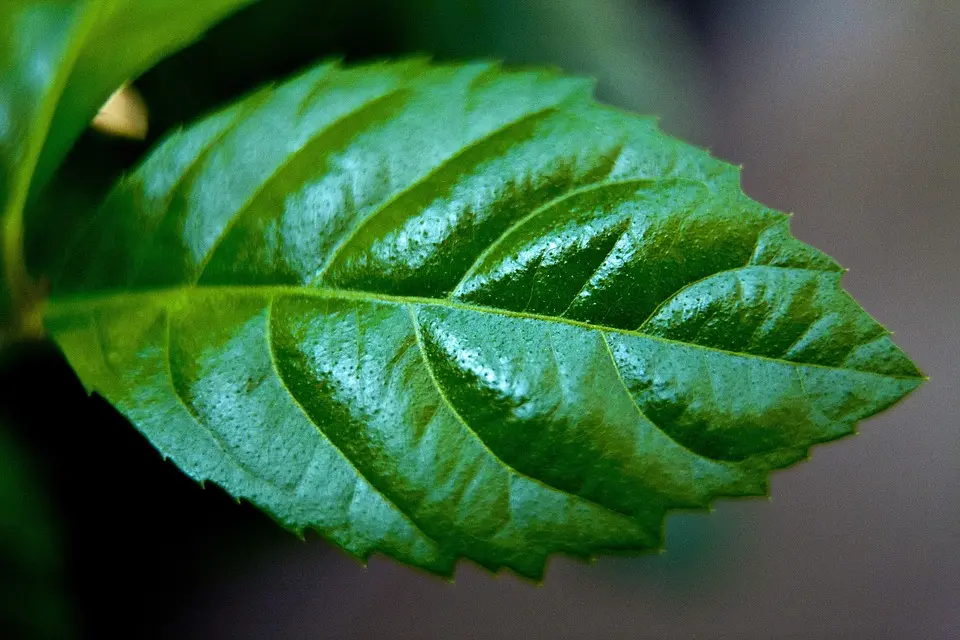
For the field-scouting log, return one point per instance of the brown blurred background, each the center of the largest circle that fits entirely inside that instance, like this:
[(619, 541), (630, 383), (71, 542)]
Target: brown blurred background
[(845, 112)]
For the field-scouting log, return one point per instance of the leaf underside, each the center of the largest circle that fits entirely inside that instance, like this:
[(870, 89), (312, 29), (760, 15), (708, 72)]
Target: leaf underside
[(444, 311)]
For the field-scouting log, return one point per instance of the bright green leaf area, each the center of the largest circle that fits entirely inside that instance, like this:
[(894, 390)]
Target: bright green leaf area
[(443, 311), (59, 61)]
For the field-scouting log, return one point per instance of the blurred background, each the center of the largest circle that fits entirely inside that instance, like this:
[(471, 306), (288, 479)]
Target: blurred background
[(844, 112)]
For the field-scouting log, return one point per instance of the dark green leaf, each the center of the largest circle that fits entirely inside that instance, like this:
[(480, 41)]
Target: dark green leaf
[(59, 61), (32, 603), (445, 311), (35, 51)]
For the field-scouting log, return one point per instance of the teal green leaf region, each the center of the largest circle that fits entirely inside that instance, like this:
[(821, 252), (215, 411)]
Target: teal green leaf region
[(453, 311), (34, 43)]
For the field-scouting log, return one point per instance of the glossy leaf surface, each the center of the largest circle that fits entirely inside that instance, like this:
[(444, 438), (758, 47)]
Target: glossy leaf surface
[(450, 311), (34, 53), (59, 61)]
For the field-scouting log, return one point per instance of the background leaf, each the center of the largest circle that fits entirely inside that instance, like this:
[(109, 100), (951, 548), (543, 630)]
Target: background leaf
[(534, 328), (128, 37), (59, 61), (32, 603), (35, 54), (645, 65)]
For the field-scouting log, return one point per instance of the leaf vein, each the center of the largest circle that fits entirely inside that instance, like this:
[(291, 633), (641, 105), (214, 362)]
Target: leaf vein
[(636, 405), (198, 419), (360, 474), (519, 222), (424, 179), (596, 270), (81, 302), (456, 414), (290, 159)]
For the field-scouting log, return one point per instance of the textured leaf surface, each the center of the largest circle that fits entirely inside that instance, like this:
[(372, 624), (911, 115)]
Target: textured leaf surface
[(445, 311), (59, 61)]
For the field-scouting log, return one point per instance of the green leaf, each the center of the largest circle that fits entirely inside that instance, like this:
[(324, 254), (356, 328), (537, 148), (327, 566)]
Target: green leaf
[(450, 311), (59, 61), (34, 53)]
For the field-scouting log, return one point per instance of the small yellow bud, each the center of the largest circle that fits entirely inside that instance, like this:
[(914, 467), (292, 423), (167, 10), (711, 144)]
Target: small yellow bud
[(123, 115)]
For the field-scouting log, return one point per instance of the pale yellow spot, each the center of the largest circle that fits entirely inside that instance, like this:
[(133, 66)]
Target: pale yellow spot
[(124, 115)]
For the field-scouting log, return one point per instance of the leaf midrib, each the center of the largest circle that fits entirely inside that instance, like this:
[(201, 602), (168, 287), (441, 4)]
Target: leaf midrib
[(174, 296)]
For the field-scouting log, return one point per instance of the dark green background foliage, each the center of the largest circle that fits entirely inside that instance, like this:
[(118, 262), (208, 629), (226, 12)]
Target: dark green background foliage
[(31, 592)]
